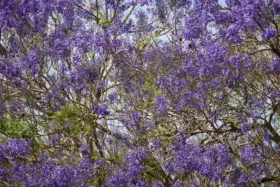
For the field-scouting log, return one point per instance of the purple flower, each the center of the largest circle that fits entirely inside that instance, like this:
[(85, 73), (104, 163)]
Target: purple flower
[(161, 104), (158, 184), (134, 118), (113, 97), (275, 66), (55, 139), (245, 128), (102, 110), (269, 33), (101, 85), (156, 144)]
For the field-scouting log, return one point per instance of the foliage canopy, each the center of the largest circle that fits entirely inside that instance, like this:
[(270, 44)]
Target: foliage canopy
[(139, 93)]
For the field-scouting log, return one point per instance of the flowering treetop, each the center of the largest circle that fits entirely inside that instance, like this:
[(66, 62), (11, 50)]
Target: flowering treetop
[(139, 92)]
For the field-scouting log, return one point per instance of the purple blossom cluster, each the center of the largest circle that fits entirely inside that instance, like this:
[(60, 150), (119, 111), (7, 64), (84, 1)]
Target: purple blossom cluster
[(130, 170), (209, 162), (18, 167)]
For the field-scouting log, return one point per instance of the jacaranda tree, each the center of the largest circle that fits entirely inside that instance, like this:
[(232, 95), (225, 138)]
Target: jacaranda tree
[(139, 93)]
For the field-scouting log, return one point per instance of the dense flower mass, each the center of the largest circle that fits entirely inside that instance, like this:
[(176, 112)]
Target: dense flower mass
[(18, 167), (139, 93)]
